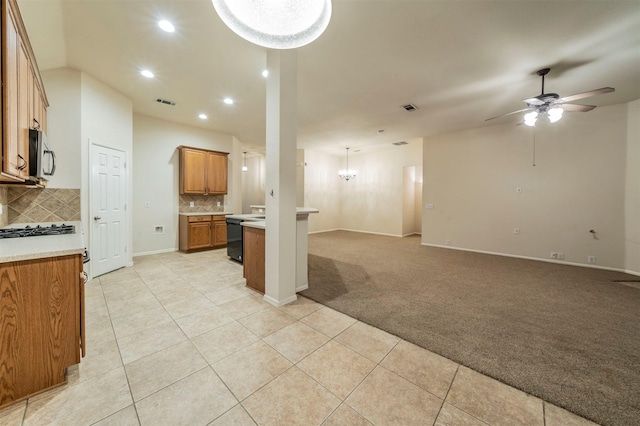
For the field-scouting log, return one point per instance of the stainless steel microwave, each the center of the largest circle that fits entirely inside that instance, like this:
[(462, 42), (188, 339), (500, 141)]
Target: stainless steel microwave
[(42, 160)]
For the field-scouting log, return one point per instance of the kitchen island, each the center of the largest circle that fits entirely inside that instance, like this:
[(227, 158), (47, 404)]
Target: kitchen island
[(41, 310), (254, 249)]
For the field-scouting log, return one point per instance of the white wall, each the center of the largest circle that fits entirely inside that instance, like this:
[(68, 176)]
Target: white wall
[(577, 184), (156, 178), (373, 201), (632, 190), (253, 181), (63, 128), (322, 190)]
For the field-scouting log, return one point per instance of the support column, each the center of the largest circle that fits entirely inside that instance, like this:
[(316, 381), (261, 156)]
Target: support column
[(280, 196)]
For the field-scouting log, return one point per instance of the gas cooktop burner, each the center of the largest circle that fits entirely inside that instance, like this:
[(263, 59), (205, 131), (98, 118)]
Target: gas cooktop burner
[(38, 230)]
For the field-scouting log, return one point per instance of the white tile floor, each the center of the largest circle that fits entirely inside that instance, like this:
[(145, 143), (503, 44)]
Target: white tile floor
[(178, 340)]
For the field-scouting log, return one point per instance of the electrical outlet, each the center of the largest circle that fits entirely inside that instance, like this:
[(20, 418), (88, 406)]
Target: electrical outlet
[(192, 204), (591, 260), (218, 203), (429, 205), (560, 256), (516, 231), (553, 255), (447, 242), (147, 204)]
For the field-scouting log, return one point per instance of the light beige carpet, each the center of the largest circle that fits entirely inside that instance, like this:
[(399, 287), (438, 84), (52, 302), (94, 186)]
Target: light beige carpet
[(569, 335)]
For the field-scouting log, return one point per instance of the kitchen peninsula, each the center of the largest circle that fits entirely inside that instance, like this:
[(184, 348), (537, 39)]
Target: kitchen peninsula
[(254, 248)]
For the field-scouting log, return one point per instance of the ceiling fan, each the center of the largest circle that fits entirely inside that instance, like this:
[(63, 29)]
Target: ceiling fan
[(552, 104)]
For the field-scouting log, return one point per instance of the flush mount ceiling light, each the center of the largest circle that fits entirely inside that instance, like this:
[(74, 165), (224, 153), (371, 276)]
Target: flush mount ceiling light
[(202, 116), (146, 73), (276, 24), (265, 73), (347, 174), (228, 101)]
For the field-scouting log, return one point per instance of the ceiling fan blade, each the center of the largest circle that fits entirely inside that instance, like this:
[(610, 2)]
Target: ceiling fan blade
[(576, 108), (509, 113), (587, 94), (533, 101)]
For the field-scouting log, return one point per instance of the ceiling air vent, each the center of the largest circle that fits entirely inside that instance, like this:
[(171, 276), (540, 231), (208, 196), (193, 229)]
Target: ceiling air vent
[(410, 107), (399, 143), (165, 102)]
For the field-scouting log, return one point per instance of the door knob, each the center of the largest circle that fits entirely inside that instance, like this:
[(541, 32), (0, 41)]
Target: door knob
[(97, 218)]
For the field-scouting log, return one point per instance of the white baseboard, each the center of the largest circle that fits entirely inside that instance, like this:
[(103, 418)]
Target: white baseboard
[(279, 303), (539, 259)]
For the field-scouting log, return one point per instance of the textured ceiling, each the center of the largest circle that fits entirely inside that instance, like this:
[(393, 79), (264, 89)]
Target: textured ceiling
[(459, 62)]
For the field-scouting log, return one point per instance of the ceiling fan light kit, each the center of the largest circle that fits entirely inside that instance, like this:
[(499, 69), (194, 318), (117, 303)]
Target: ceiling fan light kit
[(552, 105)]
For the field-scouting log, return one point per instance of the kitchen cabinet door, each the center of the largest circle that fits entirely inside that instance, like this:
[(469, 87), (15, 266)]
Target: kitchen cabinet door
[(25, 87), (217, 173), (193, 171), (219, 232), (199, 235), (10, 53)]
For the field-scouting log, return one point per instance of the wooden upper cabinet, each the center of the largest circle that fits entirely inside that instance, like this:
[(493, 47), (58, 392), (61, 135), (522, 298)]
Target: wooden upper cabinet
[(193, 166), (202, 172), (24, 101), (10, 49), (217, 173)]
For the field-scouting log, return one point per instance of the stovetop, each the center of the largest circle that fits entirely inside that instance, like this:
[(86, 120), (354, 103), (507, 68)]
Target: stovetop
[(29, 231)]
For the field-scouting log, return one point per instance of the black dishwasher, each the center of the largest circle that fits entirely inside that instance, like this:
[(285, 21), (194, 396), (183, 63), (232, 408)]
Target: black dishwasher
[(234, 239)]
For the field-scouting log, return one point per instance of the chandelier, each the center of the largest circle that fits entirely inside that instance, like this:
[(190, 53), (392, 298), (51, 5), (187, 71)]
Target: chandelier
[(347, 174), (276, 24)]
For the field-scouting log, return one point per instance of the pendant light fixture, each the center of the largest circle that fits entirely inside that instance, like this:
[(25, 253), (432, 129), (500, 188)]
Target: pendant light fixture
[(244, 158), (347, 174), (276, 24)]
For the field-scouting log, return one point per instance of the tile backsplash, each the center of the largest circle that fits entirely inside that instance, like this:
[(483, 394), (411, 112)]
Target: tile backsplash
[(201, 203), (32, 205), (4, 217)]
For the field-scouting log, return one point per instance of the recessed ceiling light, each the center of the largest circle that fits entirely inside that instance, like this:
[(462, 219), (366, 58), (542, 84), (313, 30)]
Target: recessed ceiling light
[(265, 73), (147, 73), (228, 101), (166, 26), (202, 116)]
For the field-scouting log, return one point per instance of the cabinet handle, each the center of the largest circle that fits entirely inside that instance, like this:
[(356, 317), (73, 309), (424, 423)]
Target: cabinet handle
[(24, 162)]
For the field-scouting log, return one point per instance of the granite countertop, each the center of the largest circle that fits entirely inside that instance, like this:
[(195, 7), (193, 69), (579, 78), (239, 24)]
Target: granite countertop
[(28, 248), (260, 224), (246, 216), (205, 213), (260, 216)]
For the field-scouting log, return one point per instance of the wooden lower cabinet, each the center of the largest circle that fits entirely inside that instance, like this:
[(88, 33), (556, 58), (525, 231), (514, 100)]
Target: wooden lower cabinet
[(42, 315), (253, 258), (202, 232)]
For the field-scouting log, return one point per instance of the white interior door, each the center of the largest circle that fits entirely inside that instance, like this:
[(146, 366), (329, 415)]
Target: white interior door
[(108, 210)]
